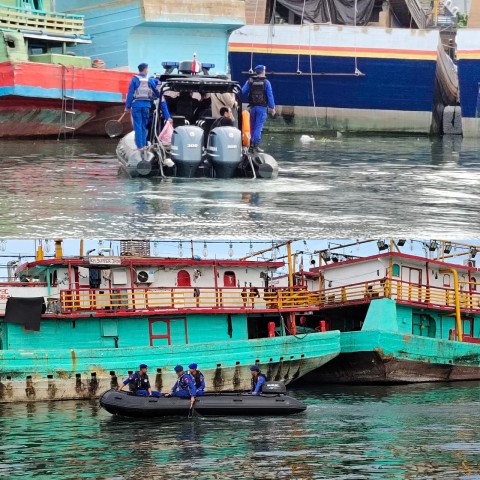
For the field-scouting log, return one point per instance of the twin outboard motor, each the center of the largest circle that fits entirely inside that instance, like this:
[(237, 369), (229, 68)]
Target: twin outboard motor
[(273, 388), (224, 150), (187, 149)]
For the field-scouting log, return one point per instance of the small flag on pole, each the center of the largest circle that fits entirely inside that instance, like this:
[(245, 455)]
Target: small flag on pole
[(195, 64)]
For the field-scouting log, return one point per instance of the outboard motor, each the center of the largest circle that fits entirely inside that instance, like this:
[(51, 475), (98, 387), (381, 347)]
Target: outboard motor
[(273, 388), (224, 150), (187, 149)]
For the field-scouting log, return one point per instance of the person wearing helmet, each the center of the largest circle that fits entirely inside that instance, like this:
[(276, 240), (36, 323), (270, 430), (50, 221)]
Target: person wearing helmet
[(139, 383)]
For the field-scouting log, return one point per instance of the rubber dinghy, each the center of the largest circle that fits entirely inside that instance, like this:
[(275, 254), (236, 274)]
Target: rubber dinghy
[(211, 404)]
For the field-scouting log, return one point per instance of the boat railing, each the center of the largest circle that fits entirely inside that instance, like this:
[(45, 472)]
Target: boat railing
[(403, 292), (49, 22), (185, 298)]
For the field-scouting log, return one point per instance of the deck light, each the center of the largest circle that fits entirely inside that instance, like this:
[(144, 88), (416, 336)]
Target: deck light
[(326, 255), (473, 252), (447, 248), (180, 249), (401, 242), (205, 250), (230, 250), (382, 245), (432, 246)]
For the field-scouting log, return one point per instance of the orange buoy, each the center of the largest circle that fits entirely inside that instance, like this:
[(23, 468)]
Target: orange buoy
[(246, 128)]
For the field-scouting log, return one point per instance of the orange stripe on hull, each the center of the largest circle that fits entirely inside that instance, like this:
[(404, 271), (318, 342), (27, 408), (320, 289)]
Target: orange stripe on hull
[(334, 51)]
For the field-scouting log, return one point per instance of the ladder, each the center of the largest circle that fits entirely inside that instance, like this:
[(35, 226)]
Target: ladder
[(67, 116)]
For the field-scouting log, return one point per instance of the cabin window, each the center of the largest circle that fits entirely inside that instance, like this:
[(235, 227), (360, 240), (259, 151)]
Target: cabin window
[(473, 283), (395, 270), (183, 279), (446, 280), (229, 279), (53, 278), (31, 4)]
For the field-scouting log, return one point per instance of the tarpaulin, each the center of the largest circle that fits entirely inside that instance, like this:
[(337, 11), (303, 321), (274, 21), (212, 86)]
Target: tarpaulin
[(338, 12), (25, 311)]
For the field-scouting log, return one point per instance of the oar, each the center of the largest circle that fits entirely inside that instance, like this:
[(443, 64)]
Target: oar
[(114, 128)]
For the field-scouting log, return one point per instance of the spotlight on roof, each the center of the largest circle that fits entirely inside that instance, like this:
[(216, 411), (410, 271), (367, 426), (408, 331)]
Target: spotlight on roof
[(401, 242), (326, 255), (432, 245), (382, 245), (447, 248), (473, 252)]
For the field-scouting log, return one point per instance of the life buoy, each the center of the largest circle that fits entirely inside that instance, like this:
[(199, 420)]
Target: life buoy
[(246, 128)]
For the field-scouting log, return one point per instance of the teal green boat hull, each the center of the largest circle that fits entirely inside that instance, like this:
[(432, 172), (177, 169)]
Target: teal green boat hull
[(386, 351), (57, 374)]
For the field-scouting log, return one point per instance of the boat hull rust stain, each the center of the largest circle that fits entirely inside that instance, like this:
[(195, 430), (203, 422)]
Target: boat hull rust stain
[(374, 368), (89, 386)]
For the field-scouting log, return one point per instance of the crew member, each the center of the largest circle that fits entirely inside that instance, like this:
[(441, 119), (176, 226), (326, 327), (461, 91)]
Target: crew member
[(141, 93), (198, 378), (225, 120), (258, 379), (260, 97), (184, 386), (140, 385)]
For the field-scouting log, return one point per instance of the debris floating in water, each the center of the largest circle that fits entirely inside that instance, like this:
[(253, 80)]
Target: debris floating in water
[(307, 139)]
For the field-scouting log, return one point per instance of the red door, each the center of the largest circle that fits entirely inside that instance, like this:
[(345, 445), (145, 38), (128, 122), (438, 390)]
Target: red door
[(183, 279), (229, 279)]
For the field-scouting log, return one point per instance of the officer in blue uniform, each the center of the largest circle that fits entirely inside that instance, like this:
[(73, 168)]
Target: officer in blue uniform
[(260, 97), (198, 378), (258, 379), (141, 93), (140, 385), (185, 386)]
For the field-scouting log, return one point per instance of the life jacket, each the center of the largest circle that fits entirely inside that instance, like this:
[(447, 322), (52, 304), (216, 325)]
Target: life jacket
[(255, 380), (198, 378), (257, 95), (143, 91), (140, 382), (185, 383)]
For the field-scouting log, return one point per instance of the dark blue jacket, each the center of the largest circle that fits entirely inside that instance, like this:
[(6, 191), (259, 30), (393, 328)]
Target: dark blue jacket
[(185, 382)]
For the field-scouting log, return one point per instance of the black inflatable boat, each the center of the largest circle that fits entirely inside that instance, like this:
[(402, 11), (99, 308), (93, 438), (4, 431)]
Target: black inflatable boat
[(213, 404)]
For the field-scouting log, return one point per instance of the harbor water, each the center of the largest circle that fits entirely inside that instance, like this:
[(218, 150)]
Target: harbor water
[(412, 431), (346, 187)]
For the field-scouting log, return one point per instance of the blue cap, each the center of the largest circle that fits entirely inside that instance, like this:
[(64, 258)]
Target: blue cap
[(260, 68), (178, 368), (193, 366), (143, 365), (254, 368), (142, 67)]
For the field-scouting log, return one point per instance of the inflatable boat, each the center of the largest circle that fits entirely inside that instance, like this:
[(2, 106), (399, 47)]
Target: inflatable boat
[(196, 149), (211, 404)]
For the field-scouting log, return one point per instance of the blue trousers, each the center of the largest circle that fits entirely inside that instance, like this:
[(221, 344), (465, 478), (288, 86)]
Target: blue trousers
[(140, 119), (144, 393), (258, 115), (182, 393)]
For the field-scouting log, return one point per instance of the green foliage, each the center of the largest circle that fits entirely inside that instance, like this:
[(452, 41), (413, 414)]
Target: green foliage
[(462, 20)]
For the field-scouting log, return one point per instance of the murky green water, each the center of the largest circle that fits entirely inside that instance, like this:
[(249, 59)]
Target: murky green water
[(340, 188), (414, 431)]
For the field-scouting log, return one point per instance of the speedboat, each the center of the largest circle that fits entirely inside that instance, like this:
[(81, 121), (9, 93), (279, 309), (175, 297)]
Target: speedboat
[(196, 149)]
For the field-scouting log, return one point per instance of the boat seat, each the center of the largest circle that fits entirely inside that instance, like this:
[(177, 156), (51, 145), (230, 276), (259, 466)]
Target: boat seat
[(179, 121), (206, 124)]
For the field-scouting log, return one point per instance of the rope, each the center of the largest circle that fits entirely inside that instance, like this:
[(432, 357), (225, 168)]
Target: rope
[(251, 48)]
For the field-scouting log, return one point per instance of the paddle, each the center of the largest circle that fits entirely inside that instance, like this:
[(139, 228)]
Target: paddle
[(114, 128)]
